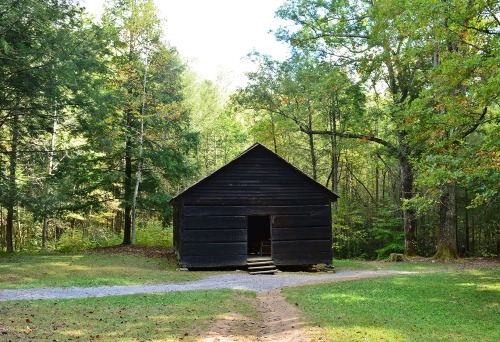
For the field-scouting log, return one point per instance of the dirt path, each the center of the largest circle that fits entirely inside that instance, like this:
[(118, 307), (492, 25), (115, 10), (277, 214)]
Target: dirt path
[(279, 321)]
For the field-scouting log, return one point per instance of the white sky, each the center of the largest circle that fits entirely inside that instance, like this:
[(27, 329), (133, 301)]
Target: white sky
[(215, 35)]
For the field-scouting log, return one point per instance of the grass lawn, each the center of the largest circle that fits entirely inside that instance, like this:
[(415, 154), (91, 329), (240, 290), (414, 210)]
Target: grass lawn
[(88, 269), (171, 316), (459, 305), (413, 264), (352, 265)]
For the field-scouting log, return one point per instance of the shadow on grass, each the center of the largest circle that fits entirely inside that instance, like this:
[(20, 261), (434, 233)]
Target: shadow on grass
[(171, 316), (88, 269), (462, 305)]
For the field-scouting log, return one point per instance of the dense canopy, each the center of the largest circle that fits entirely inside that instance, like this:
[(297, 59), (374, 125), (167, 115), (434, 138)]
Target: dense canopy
[(393, 105)]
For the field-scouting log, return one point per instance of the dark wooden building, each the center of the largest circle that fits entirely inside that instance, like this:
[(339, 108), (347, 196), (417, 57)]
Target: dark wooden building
[(258, 204)]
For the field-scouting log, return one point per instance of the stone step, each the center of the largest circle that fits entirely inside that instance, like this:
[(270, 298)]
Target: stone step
[(261, 265), (252, 263), (263, 272), (259, 258), (264, 267)]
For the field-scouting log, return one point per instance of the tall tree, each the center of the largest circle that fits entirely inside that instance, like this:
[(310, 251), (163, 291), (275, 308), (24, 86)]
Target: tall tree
[(355, 34), (135, 28), (220, 134), (313, 96), (135, 33), (463, 40), (44, 55)]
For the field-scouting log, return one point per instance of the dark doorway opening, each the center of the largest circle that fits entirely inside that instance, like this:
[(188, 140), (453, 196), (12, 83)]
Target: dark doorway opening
[(259, 235)]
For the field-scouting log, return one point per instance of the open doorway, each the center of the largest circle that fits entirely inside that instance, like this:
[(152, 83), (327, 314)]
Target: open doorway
[(259, 235)]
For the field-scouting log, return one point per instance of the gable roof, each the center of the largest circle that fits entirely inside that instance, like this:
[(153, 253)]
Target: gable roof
[(257, 146)]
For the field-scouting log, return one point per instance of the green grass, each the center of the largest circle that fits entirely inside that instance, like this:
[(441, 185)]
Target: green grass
[(460, 305), (167, 317), (352, 265), (415, 265), (88, 269)]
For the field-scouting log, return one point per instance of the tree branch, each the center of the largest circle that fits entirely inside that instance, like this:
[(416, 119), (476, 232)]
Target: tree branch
[(371, 138), (361, 183), (475, 126)]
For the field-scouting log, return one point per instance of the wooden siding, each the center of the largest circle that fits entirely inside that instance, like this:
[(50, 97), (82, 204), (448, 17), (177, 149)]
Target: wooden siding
[(301, 235), (257, 179), (288, 210), (207, 261), (212, 223), (215, 235)]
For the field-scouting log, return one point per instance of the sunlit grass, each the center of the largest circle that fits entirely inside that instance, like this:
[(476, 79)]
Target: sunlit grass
[(367, 334), (166, 317), (412, 264), (88, 269), (459, 305), (352, 265)]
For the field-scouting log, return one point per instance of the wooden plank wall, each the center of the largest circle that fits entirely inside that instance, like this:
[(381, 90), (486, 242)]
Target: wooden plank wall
[(213, 240), (214, 214), (256, 179), (216, 236), (303, 238)]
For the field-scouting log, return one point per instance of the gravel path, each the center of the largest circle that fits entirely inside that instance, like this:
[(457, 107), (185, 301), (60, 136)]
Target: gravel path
[(239, 281)]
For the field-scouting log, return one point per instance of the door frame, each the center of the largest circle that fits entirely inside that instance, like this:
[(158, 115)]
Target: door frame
[(270, 219)]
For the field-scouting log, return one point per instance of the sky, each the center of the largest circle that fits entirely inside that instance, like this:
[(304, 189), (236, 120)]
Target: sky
[(214, 36)]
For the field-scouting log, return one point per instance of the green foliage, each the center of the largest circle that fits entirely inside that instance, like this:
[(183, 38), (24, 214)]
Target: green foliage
[(387, 232), (463, 306), (220, 134), (153, 234), (349, 234), (73, 242), (80, 241), (431, 71)]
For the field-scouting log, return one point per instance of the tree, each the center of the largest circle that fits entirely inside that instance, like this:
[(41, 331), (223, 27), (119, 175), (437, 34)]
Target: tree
[(431, 58), (355, 34), (45, 52), (220, 136), (459, 100), (314, 96), (135, 33), (135, 29)]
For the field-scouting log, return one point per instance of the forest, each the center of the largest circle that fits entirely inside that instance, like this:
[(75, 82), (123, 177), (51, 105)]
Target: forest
[(393, 105)]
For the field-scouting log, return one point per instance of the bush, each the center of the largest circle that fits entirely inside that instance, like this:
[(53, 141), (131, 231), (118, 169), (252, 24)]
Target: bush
[(154, 235), (73, 242)]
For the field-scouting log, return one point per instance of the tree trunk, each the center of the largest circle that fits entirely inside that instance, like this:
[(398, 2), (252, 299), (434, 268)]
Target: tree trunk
[(127, 184), (273, 132), (311, 149), (2, 230), (12, 188), (134, 202), (313, 157), (409, 215), (447, 237), (335, 153), (45, 226), (139, 162), (467, 233)]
